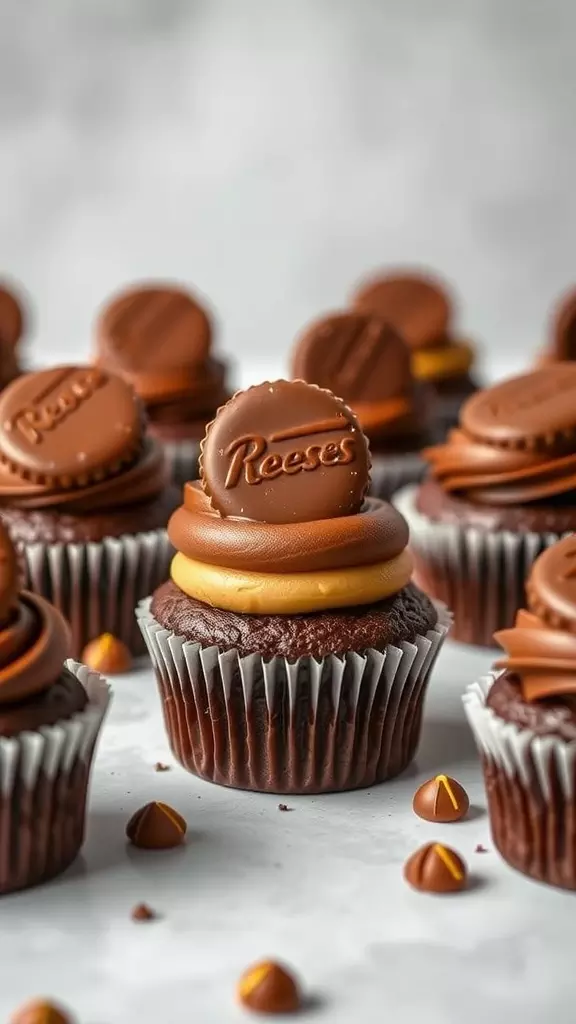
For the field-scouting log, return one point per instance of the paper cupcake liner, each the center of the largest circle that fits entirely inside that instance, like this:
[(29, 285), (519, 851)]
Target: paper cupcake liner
[(97, 585), (44, 779), (479, 574), (390, 473), (182, 460), (309, 726), (531, 789)]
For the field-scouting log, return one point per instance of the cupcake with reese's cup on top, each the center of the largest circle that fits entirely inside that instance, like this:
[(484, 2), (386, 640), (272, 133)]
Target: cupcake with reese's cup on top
[(51, 711), (421, 309), (524, 723), (84, 496), (159, 337), (502, 488), (291, 649), (363, 359)]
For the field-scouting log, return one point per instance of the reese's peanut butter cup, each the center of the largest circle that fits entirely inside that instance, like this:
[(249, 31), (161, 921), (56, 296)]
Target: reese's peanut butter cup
[(551, 586), (285, 452), (536, 410), (416, 305), (11, 317), (68, 425)]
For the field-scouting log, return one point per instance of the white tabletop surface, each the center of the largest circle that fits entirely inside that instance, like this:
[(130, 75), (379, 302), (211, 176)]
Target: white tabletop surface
[(320, 887)]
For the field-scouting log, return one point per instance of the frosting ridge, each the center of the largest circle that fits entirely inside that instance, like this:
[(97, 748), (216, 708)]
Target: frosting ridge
[(34, 644)]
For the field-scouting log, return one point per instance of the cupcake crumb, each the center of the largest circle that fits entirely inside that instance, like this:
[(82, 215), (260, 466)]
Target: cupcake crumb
[(284, 807), (480, 848), (161, 767)]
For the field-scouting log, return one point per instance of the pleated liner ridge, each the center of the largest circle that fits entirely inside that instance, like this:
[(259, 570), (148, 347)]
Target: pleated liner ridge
[(44, 779), (304, 727), (390, 473), (182, 461), (531, 790)]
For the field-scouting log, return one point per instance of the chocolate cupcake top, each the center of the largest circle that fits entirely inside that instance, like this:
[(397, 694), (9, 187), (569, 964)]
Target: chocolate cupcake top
[(540, 661), (73, 437), (159, 338), (364, 359), (280, 522), (516, 442), (421, 309)]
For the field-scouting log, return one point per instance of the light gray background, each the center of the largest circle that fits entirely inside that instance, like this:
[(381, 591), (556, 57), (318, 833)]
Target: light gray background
[(270, 152)]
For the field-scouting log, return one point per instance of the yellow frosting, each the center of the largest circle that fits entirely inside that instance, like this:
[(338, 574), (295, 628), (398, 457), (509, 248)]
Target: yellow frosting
[(449, 361), (256, 593)]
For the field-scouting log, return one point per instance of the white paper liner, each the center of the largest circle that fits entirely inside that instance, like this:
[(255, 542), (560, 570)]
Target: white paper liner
[(44, 779), (390, 473), (182, 460), (304, 727), (530, 784), (97, 585), (479, 574)]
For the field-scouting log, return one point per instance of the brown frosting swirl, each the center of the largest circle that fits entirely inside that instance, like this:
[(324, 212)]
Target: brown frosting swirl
[(34, 644), (375, 534), (544, 658)]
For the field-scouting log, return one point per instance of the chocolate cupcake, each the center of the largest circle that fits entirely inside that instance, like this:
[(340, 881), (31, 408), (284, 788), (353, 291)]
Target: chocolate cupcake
[(421, 309), (51, 711), (524, 722), (291, 649), (364, 360), (502, 489), (12, 326), (84, 496), (159, 338)]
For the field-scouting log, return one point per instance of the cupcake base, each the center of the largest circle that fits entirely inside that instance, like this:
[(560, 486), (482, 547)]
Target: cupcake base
[(530, 783), (280, 726), (44, 779)]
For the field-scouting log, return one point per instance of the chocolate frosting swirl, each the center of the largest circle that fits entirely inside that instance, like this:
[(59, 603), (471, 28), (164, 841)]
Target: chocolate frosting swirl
[(34, 644), (375, 534), (543, 657)]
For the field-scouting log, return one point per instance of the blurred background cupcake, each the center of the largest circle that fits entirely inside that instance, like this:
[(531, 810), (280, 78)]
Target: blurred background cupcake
[(85, 497), (365, 361), (501, 489), (13, 328), (51, 712), (159, 337), (561, 342), (422, 311), (524, 722), (291, 649)]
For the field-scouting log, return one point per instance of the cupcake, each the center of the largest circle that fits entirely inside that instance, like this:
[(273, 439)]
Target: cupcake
[(363, 359), (12, 324), (561, 344), (421, 309), (291, 649), (159, 338), (524, 722), (84, 496), (502, 488), (51, 711)]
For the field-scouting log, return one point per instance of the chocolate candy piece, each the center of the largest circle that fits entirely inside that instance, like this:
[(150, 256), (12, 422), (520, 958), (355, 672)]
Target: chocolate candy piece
[(267, 987), (108, 655), (68, 425), (9, 588), (156, 826), (563, 340), (11, 318), (142, 912), (153, 328), (535, 410), (40, 1012), (551, 586), (436, 868), (441, 799), (286, 452), (417, 306), (357, 356)]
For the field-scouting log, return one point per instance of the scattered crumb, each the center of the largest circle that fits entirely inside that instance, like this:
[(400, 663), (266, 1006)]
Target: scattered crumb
[(284, 807), (160, 767), (142, 912), (480, 848)]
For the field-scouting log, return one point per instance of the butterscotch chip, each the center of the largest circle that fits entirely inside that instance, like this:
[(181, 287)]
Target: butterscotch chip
[(156, 826), (436, 868), (551, 586), (285, 452), (40, 1012), (108, 655), (416, 305), (267, 987), (441, 799)]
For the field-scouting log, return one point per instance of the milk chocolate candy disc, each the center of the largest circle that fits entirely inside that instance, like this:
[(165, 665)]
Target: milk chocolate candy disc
[(68, 424), (153, 328), (415, 305), (355, 355), (11, 318), (564, 328), (535, 410), (551, 587), (285, 452)]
